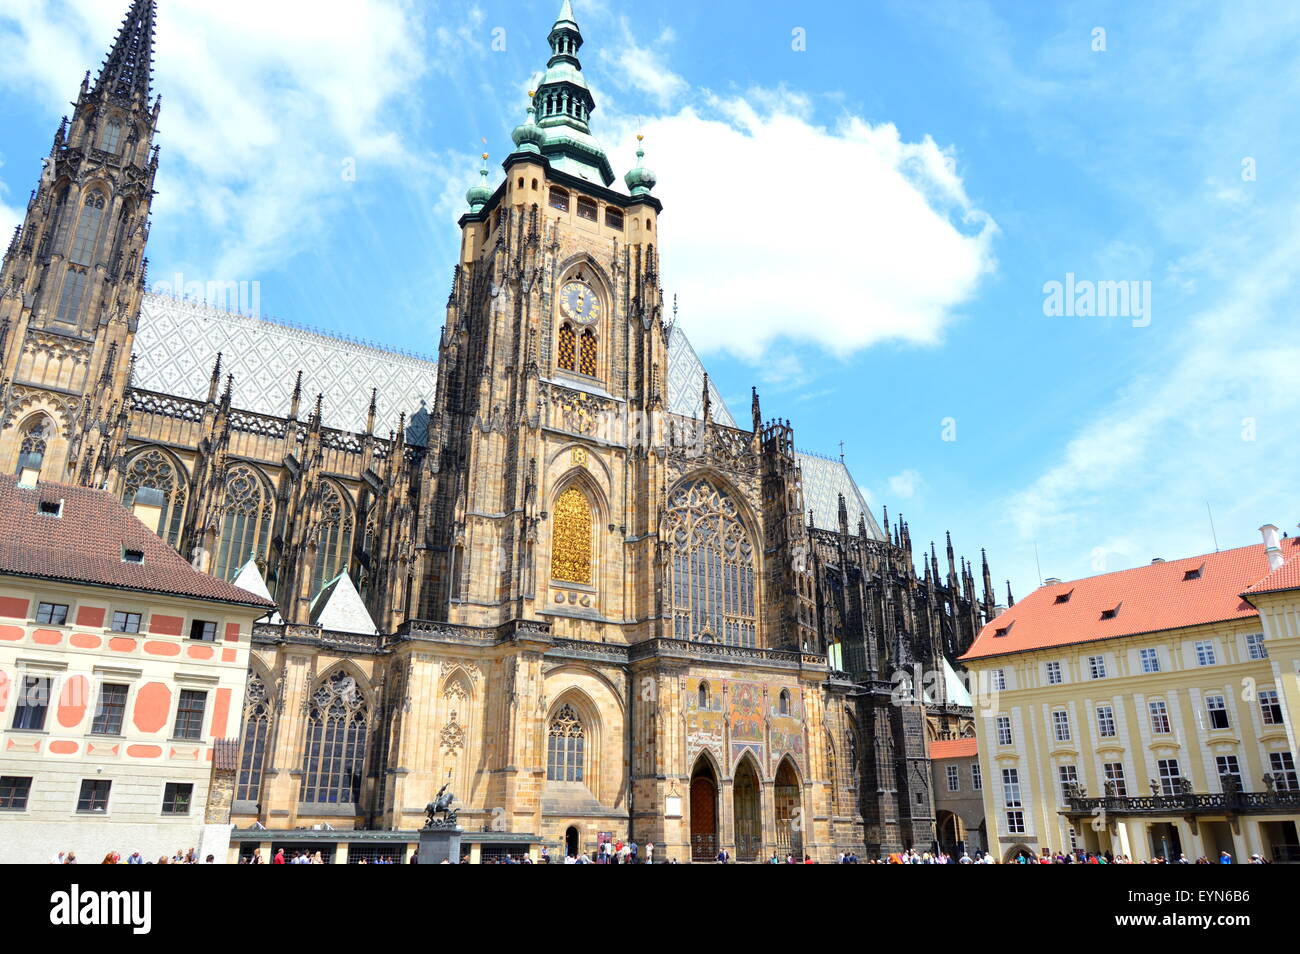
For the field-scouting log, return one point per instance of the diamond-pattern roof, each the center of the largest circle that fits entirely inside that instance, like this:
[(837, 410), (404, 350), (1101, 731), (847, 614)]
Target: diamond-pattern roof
[(686, 382), (823, 482)]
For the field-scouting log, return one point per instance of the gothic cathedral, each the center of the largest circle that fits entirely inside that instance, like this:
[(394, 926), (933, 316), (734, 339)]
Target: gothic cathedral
[(548, 568)]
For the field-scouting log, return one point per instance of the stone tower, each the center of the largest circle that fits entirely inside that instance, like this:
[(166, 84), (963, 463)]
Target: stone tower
[(550, 377), (74, 274)]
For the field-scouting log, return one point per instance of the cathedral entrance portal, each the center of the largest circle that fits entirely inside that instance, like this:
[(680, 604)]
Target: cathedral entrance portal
[(748, 818), (704, 812), (789, 814), (571, 842)]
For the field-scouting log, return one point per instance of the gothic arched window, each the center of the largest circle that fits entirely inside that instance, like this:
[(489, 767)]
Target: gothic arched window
[(587, 356), (35, 439), (783, 702), (713, 596), (252, 749), (565, 747), (246, 525), (87, 235), (154, 469), (111, 137), (336, 742), (571, 538), (567, 348), (704, 694), (334, 543), (74, 291)]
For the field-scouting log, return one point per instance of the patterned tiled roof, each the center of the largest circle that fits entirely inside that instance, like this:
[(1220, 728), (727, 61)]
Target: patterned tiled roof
[(824, 480), (86, 541), (953, 748), (178, 341), (1147, 599), (686, 382)]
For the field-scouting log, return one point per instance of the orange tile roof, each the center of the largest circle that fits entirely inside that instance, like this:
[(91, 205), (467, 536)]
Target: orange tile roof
[(1146, 599), (85, 544), (1285, 577), (954, 748)]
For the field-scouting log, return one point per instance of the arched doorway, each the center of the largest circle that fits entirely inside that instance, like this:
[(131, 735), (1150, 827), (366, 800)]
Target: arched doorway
[(789, 814), (952, 835), (1019, 854), (704, 812), (746, 811)]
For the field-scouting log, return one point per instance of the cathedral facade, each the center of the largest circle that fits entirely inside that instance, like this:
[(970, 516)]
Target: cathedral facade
[(548, 568)]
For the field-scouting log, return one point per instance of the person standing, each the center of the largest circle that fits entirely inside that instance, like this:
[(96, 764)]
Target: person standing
[(649, 852)]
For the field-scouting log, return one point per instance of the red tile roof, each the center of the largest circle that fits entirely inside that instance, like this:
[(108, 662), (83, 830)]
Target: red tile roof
[(954, 748), (1147, 599), (1285, 577), (85, 544)]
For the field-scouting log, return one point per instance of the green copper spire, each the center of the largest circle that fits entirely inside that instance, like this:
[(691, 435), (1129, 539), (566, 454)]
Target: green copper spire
[(478, 195), (563, 104), (529, 137), (640, 180)]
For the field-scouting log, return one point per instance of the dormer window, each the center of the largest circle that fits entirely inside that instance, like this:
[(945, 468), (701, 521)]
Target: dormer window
[(1193, 574), (130, 555), (1003, 630), (1063, 597), (50, 508), (1111, 613)]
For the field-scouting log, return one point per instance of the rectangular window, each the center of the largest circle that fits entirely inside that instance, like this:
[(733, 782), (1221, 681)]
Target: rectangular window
[(1011, 788), (1217, 709), (1205, 653), (1004, 730), (33, 702), (1150, 660), (56, 614), (954, 778), (613, 218), (110, 711), (1016, 822), (1159, 717), (1106, 722), (1061, 725), (1115, 775), (1097, 667), (1255, 646), (202, 629), (176, 798), (1270, 707), (94, 795), (998, 678), (1068, 776), (1284, 774), (74, 288), (189, 714), (14, 792), (559, 199), (1170, 776), (126, 622), (1227, 765), (587, 208), (976, 779), (1053, 673)]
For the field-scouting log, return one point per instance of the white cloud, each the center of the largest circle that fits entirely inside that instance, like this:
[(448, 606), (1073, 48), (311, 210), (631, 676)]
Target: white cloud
[(263, 103), (776, 228), (634, 66), (905, 485)]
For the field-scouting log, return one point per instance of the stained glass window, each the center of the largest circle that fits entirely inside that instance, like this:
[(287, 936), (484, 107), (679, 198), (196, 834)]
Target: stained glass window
[(571, 538), (334, 544), (154, 469), (247, 522), (587, 359), (74, 290), (36, 437), (567, 348), (565, 747), (713, 596), (336, 742), (87, 237), (252, 750)]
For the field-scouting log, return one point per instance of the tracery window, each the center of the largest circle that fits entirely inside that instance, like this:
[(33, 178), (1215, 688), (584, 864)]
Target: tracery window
[(112, 136), (87, 236), (334, 545), (565, 747), (713, 595), (336, 742), (587, 356), (252, 749), (74, 290), (36, 438), (246, 526), (571, 538), (567, 348), (153, 469)]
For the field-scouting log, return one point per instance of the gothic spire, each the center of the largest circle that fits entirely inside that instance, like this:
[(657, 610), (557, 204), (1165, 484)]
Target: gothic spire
[(128, 69)]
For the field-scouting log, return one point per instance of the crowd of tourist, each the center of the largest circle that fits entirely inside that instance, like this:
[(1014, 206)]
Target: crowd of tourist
[(135, 858)]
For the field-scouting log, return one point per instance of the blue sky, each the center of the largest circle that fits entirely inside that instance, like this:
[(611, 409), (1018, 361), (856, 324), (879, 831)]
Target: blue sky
[(863, 227)]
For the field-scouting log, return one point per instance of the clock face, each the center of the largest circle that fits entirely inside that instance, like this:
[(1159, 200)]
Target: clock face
[(579, 303)]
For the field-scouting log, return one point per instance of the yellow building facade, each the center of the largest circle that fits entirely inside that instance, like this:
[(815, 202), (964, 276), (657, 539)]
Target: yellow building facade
[(1143, 713)]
